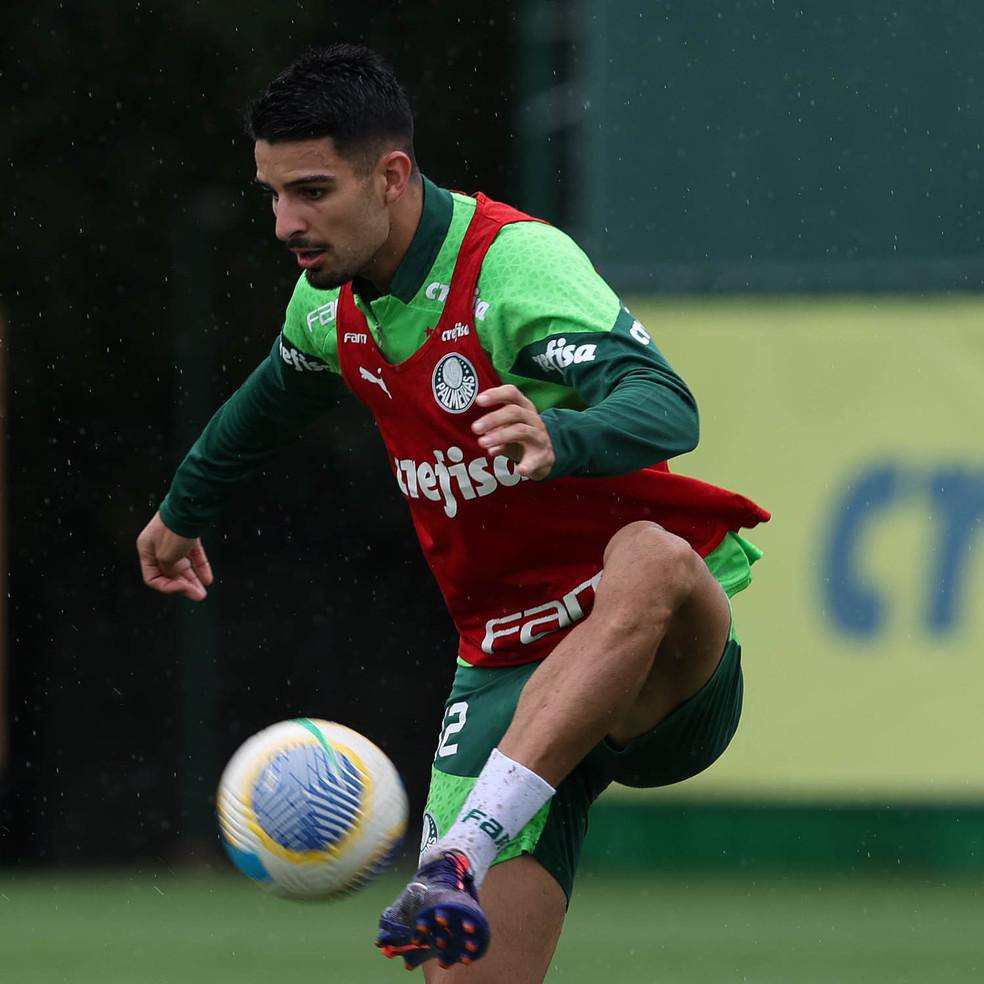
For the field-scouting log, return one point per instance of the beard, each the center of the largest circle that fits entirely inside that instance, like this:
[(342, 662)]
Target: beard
[(328, 278), (337, 268)]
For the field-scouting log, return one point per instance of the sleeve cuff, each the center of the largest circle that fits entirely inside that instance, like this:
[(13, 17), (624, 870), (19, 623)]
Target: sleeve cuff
[(175, 524), (565, 458)]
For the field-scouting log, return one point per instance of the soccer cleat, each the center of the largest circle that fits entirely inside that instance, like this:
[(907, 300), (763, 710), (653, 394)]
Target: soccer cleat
[(436, 915)]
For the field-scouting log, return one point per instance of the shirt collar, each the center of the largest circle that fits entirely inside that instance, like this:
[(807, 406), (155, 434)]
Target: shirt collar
[(432, 230)]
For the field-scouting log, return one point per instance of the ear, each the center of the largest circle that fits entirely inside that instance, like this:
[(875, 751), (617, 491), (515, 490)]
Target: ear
[(394, 169)]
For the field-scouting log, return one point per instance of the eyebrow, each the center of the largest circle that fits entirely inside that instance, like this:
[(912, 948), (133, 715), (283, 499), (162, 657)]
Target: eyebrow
[(307, 179)]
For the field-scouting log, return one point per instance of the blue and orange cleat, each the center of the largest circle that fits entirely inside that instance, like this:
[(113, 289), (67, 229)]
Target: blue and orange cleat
[(436, 915)]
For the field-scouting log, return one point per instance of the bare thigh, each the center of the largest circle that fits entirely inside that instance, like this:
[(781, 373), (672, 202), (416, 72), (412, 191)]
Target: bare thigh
[(526, 909), (686, 657)]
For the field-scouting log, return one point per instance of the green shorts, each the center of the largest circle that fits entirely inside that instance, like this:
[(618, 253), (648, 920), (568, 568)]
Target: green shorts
[(479, 711), (686, 742)]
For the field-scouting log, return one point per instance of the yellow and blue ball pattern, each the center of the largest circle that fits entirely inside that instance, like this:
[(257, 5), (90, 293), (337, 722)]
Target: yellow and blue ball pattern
[(311, 809), (330, 788)]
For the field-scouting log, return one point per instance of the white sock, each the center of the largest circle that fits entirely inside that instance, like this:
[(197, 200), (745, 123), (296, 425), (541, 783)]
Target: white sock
[(505, 797)]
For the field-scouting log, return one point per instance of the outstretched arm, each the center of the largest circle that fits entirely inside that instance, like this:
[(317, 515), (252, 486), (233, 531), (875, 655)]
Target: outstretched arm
[(285, 393)]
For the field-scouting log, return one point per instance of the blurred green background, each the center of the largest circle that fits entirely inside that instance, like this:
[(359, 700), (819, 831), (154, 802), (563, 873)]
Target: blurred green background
[(644, 928), (787, 195)]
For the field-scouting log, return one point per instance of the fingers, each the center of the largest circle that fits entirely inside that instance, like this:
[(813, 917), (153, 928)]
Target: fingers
[(189, 580), (504, 425), (190, 588), (172, 564), (532, 462), (504, 394), (517, 433), (505, 415), (516, 430), (536, 463), (179, 578), (200, 564)]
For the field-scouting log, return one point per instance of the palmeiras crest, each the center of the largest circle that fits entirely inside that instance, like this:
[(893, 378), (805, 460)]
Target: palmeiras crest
[(455, 383)]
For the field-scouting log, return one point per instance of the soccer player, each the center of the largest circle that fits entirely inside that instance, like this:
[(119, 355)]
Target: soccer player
[(528, 417)]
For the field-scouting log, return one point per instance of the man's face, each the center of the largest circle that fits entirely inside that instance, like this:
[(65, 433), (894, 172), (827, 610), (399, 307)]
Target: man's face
[(332, 216)]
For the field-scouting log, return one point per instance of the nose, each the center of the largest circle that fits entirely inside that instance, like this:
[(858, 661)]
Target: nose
[(289, 221)]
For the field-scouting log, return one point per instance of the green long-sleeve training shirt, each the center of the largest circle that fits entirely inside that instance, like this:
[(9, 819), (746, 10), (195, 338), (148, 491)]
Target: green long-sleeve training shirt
[(548, 322)]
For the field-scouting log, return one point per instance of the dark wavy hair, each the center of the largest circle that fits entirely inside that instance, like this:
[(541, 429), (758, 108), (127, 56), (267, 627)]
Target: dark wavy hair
[(345, 92)]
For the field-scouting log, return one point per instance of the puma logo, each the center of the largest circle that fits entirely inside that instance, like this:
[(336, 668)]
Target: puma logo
[(378, 380)]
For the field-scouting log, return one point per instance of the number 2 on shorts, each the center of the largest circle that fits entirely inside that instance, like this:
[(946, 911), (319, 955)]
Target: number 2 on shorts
[(454, 721)]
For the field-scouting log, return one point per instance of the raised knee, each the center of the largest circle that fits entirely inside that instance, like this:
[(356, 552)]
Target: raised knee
[(650, 550), (649, 572)]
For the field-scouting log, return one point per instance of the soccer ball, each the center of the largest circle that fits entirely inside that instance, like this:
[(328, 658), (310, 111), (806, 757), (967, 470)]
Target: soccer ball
[(310, 809)]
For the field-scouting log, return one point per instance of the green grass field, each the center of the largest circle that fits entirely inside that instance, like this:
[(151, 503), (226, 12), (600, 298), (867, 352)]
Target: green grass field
[(156, 928)]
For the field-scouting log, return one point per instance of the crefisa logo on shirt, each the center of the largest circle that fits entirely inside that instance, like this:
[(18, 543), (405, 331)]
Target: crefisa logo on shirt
[(455, 383)]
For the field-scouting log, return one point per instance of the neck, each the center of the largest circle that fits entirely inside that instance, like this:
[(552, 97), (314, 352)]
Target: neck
[(405, 215)]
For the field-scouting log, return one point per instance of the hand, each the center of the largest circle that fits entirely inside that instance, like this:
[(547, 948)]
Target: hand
[(173, 564), (515, 430)]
